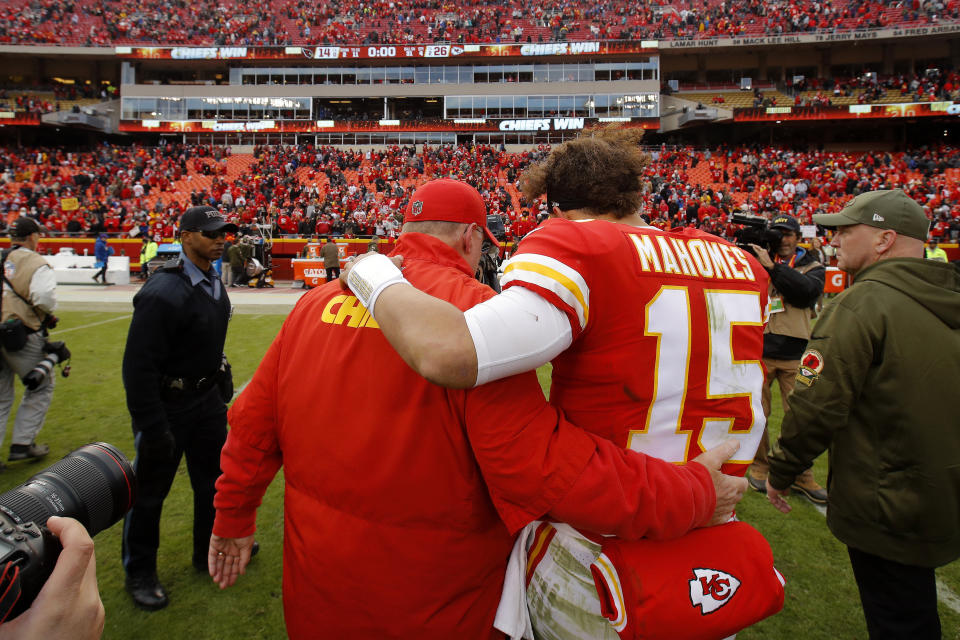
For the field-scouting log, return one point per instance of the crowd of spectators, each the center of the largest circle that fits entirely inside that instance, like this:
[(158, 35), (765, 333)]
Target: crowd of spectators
[(286, 22), (307, 190), (929, 85), (25, 103)]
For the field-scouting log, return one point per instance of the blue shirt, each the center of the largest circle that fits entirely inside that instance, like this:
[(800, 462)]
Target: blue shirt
[(207, 280)]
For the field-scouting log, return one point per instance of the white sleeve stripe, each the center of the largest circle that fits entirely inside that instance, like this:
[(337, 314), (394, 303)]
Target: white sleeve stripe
[(554, 276)]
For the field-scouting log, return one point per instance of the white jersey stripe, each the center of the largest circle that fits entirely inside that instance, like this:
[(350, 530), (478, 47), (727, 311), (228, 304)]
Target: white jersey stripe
[(552, 275)]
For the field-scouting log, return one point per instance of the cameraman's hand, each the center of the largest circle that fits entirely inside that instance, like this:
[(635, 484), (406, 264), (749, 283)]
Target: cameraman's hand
[(157, 445), (228, 558), (762, 256), (68, 606), (729, 489)]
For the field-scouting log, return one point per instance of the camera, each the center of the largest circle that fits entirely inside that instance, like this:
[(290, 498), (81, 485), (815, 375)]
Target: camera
[(756, 230), (56, 352), (94, 484)]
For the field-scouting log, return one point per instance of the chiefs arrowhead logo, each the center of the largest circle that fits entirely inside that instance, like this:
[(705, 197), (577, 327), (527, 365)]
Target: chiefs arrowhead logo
[(710, 589)]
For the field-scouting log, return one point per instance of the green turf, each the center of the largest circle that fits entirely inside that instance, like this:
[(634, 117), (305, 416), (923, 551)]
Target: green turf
[(821, 603)]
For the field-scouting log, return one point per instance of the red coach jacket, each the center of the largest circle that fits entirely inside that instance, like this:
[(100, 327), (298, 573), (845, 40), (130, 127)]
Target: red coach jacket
[(402, 497)]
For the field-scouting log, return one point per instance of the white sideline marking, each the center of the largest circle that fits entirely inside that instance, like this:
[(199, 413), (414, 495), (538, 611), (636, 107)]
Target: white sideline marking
[(944, 593), (92, 324), (240, 390)]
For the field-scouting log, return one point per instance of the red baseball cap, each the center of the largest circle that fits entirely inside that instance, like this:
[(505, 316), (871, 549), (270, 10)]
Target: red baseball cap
[(447, 200)]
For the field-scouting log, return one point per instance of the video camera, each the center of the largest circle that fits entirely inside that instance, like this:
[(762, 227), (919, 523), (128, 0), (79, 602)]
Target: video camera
[(756, 230), (487, 270), (94, 484)]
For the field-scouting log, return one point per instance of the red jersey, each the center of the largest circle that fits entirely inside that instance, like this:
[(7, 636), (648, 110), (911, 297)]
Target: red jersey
[(668, 334), (666, 359)]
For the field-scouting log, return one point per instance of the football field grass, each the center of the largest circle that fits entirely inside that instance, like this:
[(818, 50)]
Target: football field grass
[(821, 597)]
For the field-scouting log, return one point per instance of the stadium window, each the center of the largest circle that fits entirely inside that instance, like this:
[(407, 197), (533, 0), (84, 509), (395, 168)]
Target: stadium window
[(392, 75), (540, 73), (525, 73), (555, 73), (407, 75), (451, 106), (349, 76), (534, 106), (364, 76)]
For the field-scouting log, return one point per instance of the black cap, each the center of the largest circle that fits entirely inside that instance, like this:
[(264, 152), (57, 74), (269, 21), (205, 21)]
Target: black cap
[(24, 227), (205, 219), (785, 222)]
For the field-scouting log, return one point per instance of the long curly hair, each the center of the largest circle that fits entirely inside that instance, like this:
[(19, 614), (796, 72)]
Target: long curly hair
[(599, 171)]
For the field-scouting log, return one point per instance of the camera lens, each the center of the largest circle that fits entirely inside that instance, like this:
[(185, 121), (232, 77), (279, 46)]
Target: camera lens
[(94, 484)]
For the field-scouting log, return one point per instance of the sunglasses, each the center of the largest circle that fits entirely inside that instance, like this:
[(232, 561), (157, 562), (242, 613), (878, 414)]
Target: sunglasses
[(213, 235)]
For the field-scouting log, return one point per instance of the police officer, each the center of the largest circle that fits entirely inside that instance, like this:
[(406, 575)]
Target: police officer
[(796, 283), (29, 298), (177, 382)]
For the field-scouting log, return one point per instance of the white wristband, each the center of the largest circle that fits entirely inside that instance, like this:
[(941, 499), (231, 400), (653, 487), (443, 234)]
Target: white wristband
[(370, 276)]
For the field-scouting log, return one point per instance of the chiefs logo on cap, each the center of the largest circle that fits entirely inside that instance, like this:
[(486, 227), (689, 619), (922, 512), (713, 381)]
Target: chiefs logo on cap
[(811, 364), (417, 207), (710, 589)]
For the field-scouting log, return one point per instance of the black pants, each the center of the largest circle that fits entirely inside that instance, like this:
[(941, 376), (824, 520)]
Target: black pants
[(200, 431), (899, 600), (102, 273), (333, 273)]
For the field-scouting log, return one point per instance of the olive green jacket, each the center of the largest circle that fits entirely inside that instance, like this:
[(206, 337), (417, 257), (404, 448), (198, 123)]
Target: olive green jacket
[(878, 387)]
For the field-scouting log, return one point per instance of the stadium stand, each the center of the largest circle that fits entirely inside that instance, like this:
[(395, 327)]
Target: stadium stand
[(294, 189), (293, 22)]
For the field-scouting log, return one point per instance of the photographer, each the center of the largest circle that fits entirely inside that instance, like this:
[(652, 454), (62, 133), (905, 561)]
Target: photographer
[(68, 607), (29, 298), (796, 283)]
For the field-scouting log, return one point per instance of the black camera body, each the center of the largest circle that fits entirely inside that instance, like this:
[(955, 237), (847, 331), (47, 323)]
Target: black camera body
[(756, 230), (94, 484), (34, 550)]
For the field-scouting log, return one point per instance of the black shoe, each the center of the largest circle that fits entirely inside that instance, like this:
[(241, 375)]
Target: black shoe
[(255, 549), (147, 592), (32, 451), (756, 484)]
